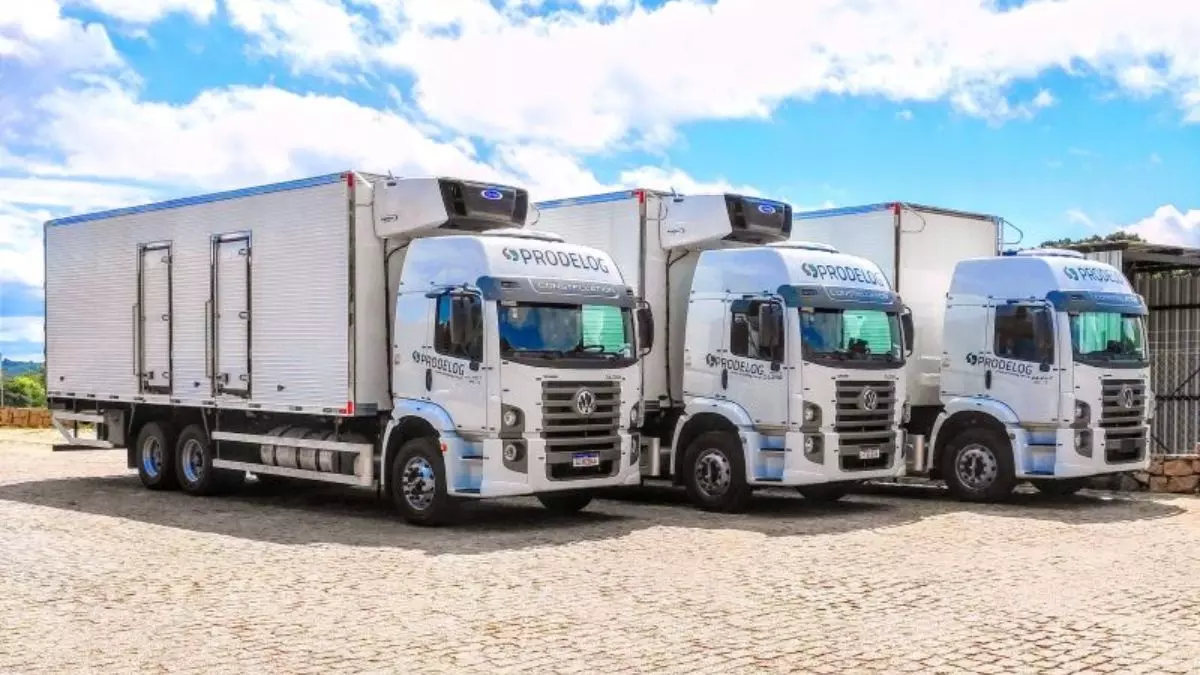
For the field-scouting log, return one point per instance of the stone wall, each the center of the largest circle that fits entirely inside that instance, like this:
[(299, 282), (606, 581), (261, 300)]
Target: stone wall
[(25, 418), (1171, 473)]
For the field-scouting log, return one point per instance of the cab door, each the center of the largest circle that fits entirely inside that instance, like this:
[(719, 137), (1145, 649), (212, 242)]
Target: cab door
[(1020, 370), (454, 371), (752, 374)]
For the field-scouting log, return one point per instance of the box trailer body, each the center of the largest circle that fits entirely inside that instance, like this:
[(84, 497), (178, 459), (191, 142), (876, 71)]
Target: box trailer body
[(340, 328), (703, 265), (966, 386)]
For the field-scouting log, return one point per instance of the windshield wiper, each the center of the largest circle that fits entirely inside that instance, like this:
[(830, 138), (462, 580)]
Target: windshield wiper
[(542, 353)]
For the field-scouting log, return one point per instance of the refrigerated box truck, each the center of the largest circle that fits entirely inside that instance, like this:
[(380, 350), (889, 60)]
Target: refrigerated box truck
[(1027, 365), (773, 363), (399, 334)]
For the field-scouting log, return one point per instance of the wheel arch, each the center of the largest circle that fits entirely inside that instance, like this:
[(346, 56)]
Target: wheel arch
[(399, 432), (956, 423), (691, 427)]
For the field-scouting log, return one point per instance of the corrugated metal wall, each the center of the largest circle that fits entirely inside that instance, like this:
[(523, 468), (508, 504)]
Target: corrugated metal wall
[(1173, 336)]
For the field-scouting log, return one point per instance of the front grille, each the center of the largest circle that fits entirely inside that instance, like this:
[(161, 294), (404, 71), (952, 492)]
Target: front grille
[(568, 432), (857, 424), (1123, 416)]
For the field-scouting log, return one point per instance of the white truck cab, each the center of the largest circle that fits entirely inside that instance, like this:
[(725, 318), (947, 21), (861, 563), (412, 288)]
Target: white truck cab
[(773, 363), (1045, 375), (1026, 366)]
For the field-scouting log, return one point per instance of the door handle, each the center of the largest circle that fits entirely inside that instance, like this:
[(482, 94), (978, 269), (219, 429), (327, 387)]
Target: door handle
[(987, 379), (724, 378), (428, 379)]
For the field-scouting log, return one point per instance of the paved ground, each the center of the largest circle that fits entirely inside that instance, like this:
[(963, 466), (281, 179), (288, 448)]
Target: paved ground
[(97, 574)]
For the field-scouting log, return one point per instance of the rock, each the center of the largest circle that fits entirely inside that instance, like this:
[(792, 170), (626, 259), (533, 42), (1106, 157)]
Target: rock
[(1158, 483), (1141, 477), (1183, 484), (1130, 484), (1196, 465), (1156, 466), (1178, 467)]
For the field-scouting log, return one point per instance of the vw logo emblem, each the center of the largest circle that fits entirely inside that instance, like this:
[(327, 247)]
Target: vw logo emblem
[(491, 194), (1126, 397), (868, 399), (585, 402)]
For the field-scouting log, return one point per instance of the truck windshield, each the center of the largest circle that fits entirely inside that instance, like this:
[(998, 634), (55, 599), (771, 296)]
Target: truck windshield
[(1108, 338), (843, 335), (599, 332)]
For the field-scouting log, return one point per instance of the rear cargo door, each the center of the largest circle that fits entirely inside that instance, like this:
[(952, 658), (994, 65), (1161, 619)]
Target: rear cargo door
[(154, 318), (231, 314)]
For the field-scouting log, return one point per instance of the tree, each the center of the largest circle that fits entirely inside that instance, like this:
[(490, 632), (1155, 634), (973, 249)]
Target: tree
[(26, 391), (1094, 239)]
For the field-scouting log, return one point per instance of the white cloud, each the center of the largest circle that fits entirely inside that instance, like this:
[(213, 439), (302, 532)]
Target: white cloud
[(312, 34), (656, 178), (584, 79), (1079, 217), (21, 329), (148, 11), (1169, 226), (905, 115), (35, 34)]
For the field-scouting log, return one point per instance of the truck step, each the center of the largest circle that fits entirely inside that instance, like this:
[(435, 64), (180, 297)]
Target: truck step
[(473, 458), (467, 491), (769, 479)]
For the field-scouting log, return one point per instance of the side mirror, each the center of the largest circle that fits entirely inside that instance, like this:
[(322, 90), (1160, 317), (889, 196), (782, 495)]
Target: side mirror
[(770, 325), (907, 330), (460, 318), (645, 329)]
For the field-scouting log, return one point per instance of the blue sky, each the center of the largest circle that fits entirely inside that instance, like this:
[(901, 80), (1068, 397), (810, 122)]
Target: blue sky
[(1068, 118)]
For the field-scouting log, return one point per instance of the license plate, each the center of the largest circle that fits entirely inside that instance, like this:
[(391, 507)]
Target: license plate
[(868, 453), (585, 459)]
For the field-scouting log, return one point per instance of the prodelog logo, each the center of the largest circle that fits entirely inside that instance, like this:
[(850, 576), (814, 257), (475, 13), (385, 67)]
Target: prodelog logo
[(1023, 369), (844, 273), (758, 370), (442, 364), (551, 258), (1093, 274)]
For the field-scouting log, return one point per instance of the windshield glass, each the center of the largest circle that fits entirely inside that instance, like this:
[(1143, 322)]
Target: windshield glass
[(851, 335), (1107, 337), (580, 331)]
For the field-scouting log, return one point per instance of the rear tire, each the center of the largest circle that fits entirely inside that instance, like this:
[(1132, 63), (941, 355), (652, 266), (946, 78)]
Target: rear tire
[(977, 466), (194, 457), (1059, 488), (417, 484), (565, 502), (155, 455), (715, 473), (826, 492)]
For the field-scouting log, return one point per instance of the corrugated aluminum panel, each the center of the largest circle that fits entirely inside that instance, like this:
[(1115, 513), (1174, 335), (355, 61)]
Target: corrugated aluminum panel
[(1113, 257), (1173, 334)]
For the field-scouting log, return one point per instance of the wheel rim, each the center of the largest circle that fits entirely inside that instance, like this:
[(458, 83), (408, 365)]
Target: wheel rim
[(419, 483), (193, 460), (714, 472), (152, 456), (977, 466)]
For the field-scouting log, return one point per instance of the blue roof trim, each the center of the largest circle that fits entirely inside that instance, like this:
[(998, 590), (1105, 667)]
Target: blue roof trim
[(588, 199), (201, 199), (842, 211)]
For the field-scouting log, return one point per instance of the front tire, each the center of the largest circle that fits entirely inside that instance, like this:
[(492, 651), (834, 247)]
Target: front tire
[(1059, 488), (155, 455), (565, 502), (826, 492), (715, 473), (194, 457), (417, 484), (977, 466)]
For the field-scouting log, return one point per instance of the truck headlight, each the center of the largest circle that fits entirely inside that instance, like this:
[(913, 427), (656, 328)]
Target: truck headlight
[(905, 413), (812, 415), (1083, 413), (511, 418), (635, 416)]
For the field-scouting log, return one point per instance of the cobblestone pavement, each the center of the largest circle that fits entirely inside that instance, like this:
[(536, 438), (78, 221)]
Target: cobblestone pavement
[(100, 575)]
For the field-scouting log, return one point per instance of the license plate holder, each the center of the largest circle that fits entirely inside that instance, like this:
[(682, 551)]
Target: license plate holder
[(868, 453), (585, 460)]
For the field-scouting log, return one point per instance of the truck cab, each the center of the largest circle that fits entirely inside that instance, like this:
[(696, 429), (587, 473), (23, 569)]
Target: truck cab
[(1045, 375), (516, 348)]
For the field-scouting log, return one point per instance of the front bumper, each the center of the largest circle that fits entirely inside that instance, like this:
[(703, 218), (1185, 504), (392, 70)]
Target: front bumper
[(479, 469), (782, 460), (1096, 454)]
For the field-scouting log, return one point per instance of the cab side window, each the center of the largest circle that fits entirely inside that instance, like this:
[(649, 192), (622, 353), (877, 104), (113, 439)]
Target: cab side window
[(744, 331), (442, 344), (1024, 333)]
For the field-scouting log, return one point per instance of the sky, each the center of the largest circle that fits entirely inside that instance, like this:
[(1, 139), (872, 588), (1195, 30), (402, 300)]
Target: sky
[(1066, 117)]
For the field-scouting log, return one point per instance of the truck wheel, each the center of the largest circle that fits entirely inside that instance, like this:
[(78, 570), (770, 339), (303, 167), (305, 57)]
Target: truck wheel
[(417, 484), (1059, 488), (156, 456), (197, 476), (715, 473), (826, 492), (977, 466), (565, 502)]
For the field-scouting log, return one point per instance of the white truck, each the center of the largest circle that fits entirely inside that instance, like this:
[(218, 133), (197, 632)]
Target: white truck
[(772, 363), (406, 335), (1027, 366)]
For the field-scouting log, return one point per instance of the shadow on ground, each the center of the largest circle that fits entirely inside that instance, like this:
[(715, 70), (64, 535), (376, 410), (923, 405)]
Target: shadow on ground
[(304, 514)]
